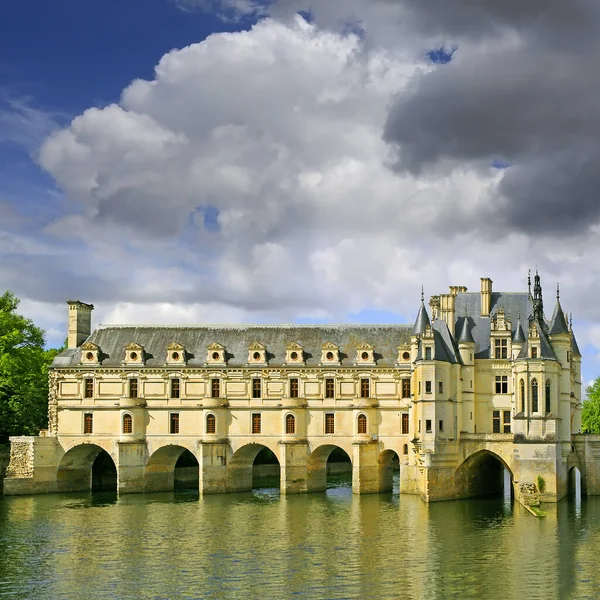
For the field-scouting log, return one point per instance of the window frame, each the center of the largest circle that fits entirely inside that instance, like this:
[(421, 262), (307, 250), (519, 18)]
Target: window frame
[(294, 387), (501, 384), (88, 419), (428, 386), (496, 421), (501, 348), (405, 423), (290, 424), (127, 417), (133, 387), (174, 423), (365, 387), (329, 423), (440, 387), (175, 387), (428, 426), (506, 421), (256, 388), (548, 396), (329, 387), (215, 387), (256, 423), (210, 423), (406, 387), (535, 396), (361, 424), (88, 387)]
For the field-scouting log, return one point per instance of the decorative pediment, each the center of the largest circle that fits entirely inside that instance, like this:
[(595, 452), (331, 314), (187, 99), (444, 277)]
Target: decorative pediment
[(90, 353), (216, 354), (294, 354), (257, 354), (365, 354), (176, 354), (134, 353), (330, 354)]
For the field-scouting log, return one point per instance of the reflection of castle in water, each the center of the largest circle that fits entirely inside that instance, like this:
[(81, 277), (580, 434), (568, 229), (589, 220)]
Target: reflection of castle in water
[(483, 385)]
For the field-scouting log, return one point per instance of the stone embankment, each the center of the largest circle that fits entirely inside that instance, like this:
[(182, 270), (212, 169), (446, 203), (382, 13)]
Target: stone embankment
[(4, 456)]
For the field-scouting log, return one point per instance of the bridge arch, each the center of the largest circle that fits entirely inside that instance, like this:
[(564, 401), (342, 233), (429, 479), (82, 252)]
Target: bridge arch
[(242, 473), (387, 463), (171, 466), (86, 467), (483, 473), (317, 467)]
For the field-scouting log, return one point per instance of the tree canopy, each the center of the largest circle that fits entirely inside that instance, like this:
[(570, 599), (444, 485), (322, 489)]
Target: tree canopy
[(590, 413), (23, 372)]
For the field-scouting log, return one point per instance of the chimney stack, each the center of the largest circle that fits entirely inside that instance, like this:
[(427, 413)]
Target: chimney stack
[(486, 296), (80, 322)]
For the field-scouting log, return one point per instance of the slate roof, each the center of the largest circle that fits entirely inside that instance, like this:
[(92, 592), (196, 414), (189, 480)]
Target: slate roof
[(465, 334), (236, 339), (421, 321), (574, 346), (514, 304), (558, 323)]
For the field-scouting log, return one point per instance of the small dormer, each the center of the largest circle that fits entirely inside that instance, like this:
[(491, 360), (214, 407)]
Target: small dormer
[(403, 355), (257, 354), (533, 342), (90, 354), (428, 344), (176, 354), (365, 354), (134, 354), (330, 354), (216, 354), (294, 354), (501, 335)]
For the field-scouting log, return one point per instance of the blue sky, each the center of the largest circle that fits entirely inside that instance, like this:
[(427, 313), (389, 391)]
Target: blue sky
[(314, 169)]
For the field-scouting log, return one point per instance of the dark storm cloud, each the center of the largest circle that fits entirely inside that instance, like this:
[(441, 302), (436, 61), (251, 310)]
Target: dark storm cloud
[(529, 103)]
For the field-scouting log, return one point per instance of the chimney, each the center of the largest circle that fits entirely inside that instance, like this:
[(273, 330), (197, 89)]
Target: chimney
[(80, 322), (486, 296)]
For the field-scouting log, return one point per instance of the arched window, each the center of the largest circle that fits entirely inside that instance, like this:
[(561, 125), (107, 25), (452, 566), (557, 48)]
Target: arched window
[(522, 395), (290, 424), (534, 396), (547, 396), (211, 424), (362, 424), (405, 449), (127, 423)]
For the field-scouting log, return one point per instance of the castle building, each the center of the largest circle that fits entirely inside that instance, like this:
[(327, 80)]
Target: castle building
[(482, 382)]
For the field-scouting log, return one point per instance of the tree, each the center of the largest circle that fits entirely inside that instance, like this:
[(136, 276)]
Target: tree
[(590, 413), (23, 372)]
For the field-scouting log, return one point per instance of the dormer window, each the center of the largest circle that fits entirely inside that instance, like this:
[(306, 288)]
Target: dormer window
[(534, 352), (403, 354), (501, 348), (294, 354), (365, 354), (134, 354), (427, 352), (257, 354), (330, 354), (175, 354), (216, 354), (90, 353)]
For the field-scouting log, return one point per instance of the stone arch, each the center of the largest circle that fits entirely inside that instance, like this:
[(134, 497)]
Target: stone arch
[(575, 482), (481, 474), (317, 466), (240, 467), (164, 468), (84, 467), (387, 463)]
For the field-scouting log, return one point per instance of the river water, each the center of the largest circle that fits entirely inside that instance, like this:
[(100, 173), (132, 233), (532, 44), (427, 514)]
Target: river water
[(262, 545)]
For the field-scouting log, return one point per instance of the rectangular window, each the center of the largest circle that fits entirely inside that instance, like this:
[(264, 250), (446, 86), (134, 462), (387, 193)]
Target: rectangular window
[(256, 421), (294, 388), (501, 348), (419, 425), (88, 388), (501, 384), (428, 387), (364, 388), (427, 425), (133, 388), (215, 388), (441, 387), (329, 388), (419, 387), (329, 423), (256, 392), (174, 423), (533, 352), (88, 423), (175, 387), (428, 353), (496, 421), (404, 423), (506, 421), (440, 425), (406, 388)]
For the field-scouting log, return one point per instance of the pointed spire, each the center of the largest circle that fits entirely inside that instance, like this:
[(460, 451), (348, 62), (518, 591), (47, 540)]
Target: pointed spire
[(529, 281), (519, 335), (466, 337), (558, 323), (422, 320), (538, 303)]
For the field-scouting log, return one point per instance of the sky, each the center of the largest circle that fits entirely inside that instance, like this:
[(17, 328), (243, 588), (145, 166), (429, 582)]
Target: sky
[(216, 161)]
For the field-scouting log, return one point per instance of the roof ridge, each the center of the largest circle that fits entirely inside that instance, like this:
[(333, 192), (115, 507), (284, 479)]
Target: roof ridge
[(252, 325)]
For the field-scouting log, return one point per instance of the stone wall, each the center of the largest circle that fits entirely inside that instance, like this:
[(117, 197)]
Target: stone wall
[(4, 457)]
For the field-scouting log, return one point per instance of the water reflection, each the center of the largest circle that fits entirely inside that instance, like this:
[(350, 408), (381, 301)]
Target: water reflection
[(262, 545)]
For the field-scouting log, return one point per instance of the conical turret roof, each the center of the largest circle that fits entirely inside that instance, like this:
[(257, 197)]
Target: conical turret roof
[(574, 346), (466, 337), (558, 323), (519, 336), (422, 320)]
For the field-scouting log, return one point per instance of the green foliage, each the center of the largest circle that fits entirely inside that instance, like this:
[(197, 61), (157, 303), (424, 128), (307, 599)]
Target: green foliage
[(590, 413), (541, 484), (23, 372)]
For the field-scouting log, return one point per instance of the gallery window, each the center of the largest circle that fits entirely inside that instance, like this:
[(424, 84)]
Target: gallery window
[(501, 348), (211, 424), (329, 388), (428, 387), (496, 421), (174, 423), (428, 426), (329, 423), (294, 387), (256, 388), (364, 388), (133, 388), (362, 424), (547, 396), (501, 384), (404, 423), (406, 388), (534, 396), (127, 423), (175, 388), (88, 423), (256, 422), (215, 388), (290, 424), (88, 388)]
